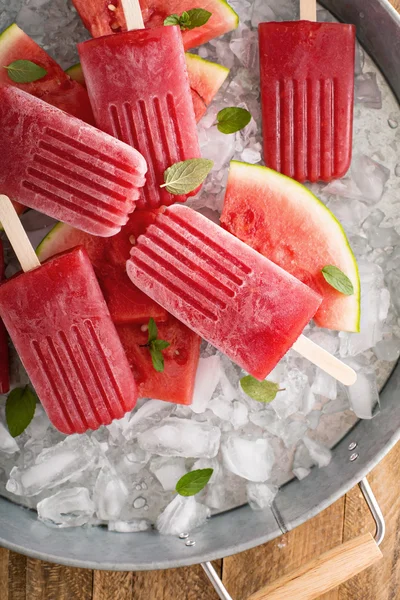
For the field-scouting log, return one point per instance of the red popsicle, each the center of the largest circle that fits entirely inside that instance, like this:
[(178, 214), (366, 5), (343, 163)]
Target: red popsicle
[(59, 165), (61, 328), (307, 91), (139, 89), (4, 363)]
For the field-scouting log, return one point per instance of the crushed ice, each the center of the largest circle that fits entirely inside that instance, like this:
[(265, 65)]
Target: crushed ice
[(124, 475)]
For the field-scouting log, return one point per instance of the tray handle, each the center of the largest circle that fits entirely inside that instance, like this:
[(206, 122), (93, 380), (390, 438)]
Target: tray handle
[(325, 573)]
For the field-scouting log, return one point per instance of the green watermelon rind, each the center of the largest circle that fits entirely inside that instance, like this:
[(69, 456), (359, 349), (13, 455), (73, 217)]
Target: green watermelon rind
[(355, 276), (53, 239)]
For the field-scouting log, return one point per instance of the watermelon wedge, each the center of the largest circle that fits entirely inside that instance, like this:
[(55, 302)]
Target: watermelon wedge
[(205, 79), (127, 303), (56, 88), (181, 358), (284, 221), (104, 18)]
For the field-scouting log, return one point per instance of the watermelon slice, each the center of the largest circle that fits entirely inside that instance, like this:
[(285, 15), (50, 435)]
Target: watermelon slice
[(181, 358), (127, 303), (56, 88), (285, 222), (104, 18), (205, 78)]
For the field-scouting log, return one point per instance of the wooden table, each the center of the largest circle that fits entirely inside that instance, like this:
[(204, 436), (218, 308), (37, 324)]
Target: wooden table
[(23, 578)]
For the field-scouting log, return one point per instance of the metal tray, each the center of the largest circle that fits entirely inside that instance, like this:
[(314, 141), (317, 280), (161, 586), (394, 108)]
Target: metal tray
[(240, 529)]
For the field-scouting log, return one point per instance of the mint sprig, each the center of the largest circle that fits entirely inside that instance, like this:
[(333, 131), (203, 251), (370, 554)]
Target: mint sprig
[(193, 482), (338, 280), (232, 119), (186, 176), (25, 71), (156, 346), (261, 391), (20, 409), (189, 19)]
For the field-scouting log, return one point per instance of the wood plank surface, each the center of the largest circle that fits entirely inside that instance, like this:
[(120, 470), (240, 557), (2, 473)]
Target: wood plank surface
[(243, 574)]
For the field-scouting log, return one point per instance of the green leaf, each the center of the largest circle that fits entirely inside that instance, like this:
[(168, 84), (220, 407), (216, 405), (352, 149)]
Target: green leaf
[(184, 20), (156, 348), (153, 331), (232, 119), (184, 177), (161, 344), (338, 280), (20, 409), (25, 71), (262, 391), (192, 483), (197, 17), (172, 20)]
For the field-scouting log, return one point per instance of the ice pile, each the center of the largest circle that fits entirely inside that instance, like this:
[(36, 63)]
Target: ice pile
[(124, 475)]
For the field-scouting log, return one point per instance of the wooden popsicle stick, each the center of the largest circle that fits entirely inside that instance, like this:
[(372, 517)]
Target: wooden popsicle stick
[(325, 573), (325, 361), (17, 235), (133, 14), (308, 10)]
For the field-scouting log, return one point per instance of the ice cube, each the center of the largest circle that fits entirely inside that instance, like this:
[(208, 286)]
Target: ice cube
[(216, 146), (8, 445), (168, 471), (290, 400), (301, 472), (308, 401), (132, 462), (207, 378), (320, 454), (262, 12), (367, 92), (39, 425), (134, 526), (245, 48), (251, 459), (351, 215), (370, 178), (68, 508), (182, 515), (54, 466), (216, 496), (251, 156), (110, 494), (372, 302), (152, 412), (382, 237), (345, 188), (261, 495), (180, 437), (324, 385), (264, 418), (292, 432), (363, 395)]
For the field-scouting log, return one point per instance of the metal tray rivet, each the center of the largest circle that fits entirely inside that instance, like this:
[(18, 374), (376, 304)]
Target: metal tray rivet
[(190, 543), (353, 456), (183, 536), (352, 445)]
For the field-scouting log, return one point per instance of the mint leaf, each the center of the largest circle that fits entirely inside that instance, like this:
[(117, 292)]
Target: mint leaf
[(197, 17), (156, 347), (262, 391), (338, 280), (192, 483), (25, 71), (20, 409), (172, 20), (153, 331), (232, 119), (184, 177)]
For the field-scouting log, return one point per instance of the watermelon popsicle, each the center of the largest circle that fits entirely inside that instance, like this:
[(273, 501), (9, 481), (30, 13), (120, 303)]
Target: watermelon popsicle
[(61, 166), (4, 361), (236, 299), (59, 323), (307, 93), (139, 89)]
